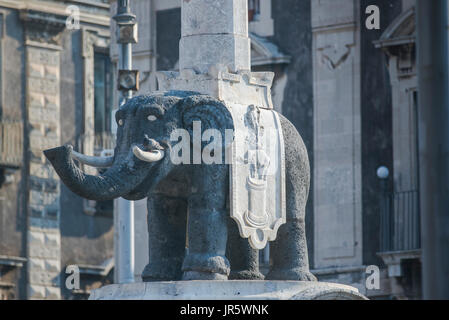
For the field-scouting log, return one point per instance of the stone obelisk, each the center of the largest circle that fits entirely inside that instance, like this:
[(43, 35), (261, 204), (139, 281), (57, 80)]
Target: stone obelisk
[(215, 59), (215, 54)]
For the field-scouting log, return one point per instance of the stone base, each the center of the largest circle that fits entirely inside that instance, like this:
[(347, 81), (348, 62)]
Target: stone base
[(227, 290)]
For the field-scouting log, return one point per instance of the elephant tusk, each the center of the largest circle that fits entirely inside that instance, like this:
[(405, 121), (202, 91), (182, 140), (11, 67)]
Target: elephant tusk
[(148, 156), (97, 162)]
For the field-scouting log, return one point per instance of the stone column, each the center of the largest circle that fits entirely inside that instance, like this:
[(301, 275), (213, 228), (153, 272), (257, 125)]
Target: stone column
[(42, 32), (337, 134)]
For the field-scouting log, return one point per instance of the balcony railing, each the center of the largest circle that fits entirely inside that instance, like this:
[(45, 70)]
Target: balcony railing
[(11, 143), (400, 222)]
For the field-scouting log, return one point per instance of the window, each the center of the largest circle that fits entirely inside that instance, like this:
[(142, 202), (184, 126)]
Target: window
[(253, 10), (259, 17), (102, 93)]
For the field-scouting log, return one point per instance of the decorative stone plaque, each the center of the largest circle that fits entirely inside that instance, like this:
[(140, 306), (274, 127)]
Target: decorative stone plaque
[(257, 174)]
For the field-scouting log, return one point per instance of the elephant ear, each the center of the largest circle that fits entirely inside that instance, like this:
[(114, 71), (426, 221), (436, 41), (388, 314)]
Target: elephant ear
[(212, 114)]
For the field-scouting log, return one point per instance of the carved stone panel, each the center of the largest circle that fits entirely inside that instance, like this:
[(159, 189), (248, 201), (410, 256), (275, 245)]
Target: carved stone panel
[(257, 174)]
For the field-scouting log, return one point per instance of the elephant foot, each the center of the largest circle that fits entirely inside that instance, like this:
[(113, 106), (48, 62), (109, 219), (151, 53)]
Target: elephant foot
[(199, 266), (166, 272), (195, 275), (246, 275), (290, 274)]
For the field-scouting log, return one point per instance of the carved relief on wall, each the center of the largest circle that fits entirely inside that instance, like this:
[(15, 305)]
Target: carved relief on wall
[(335, 49), (333, 56), (257, 174)]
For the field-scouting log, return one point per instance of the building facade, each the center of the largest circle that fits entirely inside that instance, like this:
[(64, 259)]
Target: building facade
[(54, 89)]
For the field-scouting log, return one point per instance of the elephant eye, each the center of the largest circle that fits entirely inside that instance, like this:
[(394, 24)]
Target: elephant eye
[(152, 117)]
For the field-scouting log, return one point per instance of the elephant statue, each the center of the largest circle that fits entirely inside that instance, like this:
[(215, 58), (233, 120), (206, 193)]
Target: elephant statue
[(191, 234)]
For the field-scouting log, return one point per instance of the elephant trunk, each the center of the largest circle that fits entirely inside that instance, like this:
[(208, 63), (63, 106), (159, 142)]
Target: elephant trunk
[(117, 181)]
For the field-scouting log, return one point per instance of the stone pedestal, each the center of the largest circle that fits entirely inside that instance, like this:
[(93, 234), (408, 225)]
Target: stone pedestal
[(227, 290)]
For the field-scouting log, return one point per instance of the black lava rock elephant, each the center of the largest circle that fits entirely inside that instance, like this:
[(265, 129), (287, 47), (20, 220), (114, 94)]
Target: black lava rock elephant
[(192, 195)]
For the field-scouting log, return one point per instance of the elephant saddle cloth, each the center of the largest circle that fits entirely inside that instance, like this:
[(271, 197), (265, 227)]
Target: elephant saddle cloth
[(257, 173)]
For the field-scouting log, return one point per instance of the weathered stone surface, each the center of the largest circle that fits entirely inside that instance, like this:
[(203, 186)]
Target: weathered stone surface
[(199, 52), (214, 17), (36, 292), (44, 278), (214, 32), (227, 290), (43, 57), (44, 245), (331, 12), (244, 88)]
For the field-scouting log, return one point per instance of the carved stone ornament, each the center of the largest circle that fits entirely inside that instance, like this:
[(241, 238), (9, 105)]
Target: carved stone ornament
[(257, 174), (43, 27)]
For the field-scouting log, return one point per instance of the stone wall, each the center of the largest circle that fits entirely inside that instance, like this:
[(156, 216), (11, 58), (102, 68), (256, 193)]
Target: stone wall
[(43, 226)]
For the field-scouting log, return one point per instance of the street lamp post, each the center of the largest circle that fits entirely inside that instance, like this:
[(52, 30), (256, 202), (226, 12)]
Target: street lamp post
[(128, 81)]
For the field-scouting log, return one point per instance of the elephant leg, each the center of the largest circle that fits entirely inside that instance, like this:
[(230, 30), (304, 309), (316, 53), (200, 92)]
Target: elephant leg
[(244, 260), (289, 250), (167, 238), (207, 225)]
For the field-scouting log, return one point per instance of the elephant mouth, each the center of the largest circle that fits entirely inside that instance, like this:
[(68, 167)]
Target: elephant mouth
[(152, 151)]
